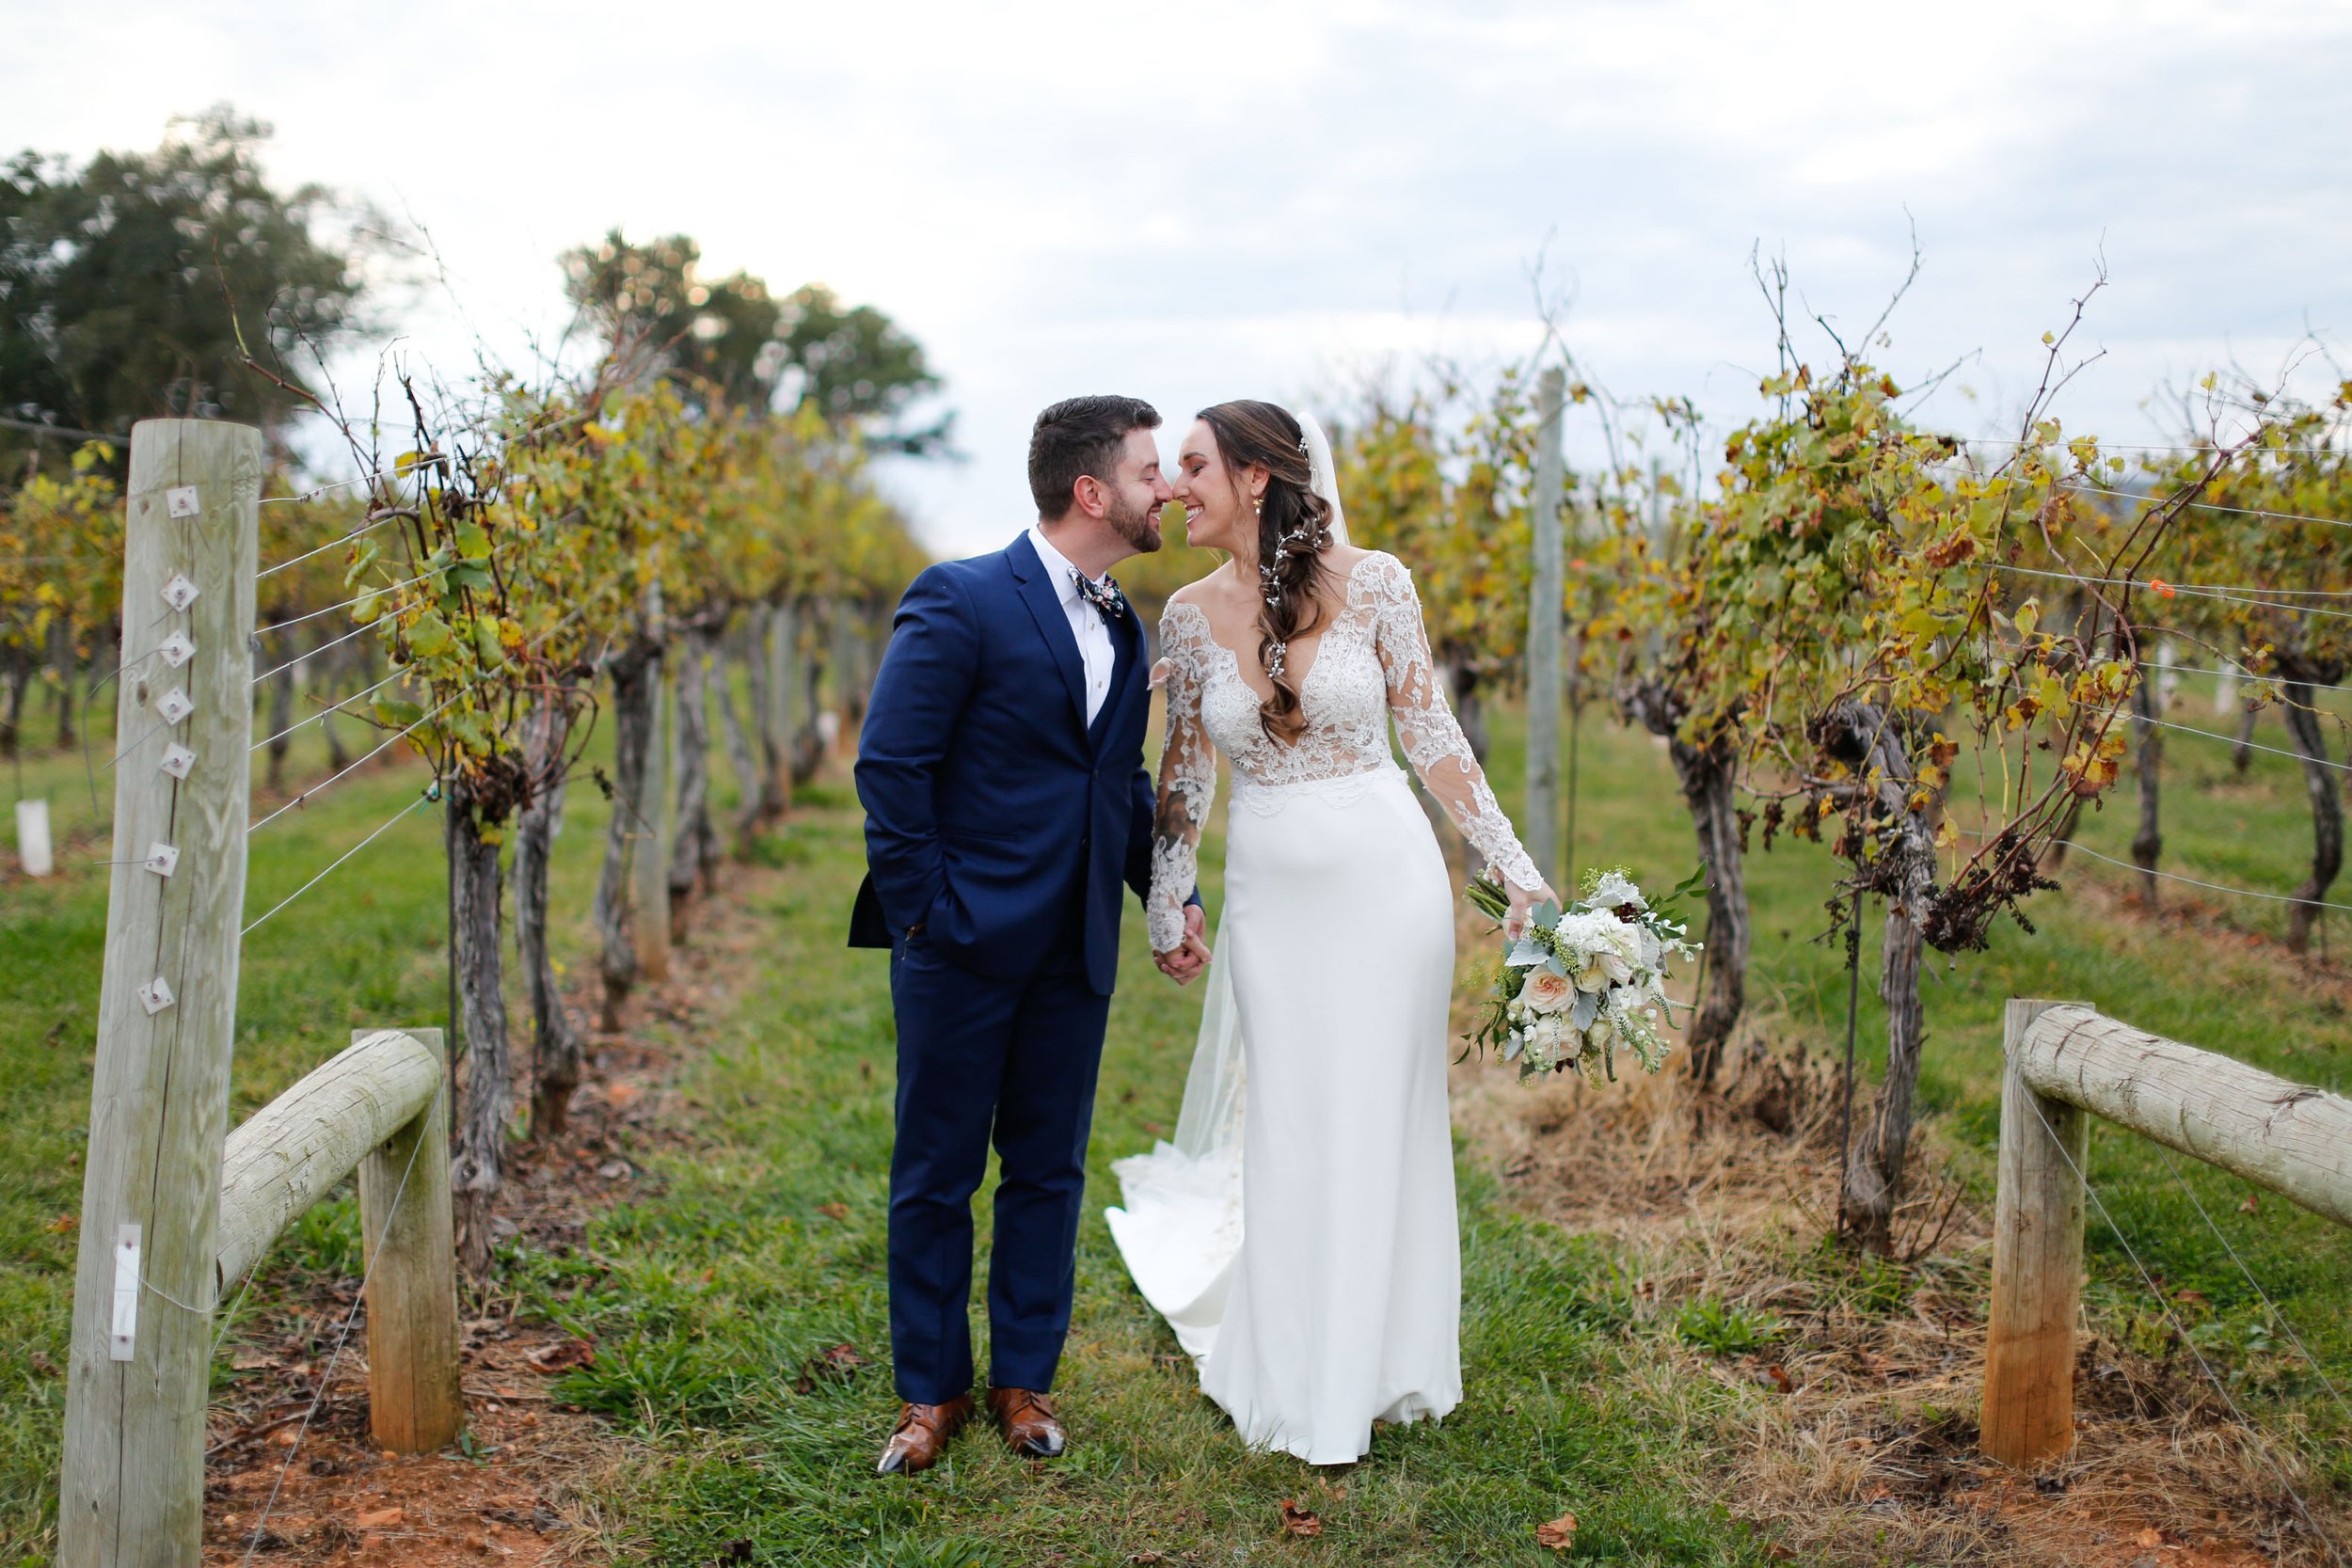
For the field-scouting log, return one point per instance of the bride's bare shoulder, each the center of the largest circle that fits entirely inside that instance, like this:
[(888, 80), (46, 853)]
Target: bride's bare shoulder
[(1202, 593)]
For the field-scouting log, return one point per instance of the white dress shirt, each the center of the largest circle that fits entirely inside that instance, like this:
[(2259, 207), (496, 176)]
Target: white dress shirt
[(1095, 652)]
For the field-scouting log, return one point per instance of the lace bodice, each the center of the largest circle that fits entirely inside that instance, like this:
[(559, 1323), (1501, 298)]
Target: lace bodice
[(1371, 664)]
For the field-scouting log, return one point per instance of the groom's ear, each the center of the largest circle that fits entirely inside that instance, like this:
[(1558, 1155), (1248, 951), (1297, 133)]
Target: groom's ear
[(1090, 495)]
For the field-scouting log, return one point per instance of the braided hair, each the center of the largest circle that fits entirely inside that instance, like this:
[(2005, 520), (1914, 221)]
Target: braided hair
[(1294, 527)]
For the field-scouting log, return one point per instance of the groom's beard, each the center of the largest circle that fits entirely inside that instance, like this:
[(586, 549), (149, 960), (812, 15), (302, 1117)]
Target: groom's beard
[(1139, 526)]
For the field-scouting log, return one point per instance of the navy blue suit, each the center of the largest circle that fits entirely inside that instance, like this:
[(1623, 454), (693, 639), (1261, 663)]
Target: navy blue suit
[(1000, 823)]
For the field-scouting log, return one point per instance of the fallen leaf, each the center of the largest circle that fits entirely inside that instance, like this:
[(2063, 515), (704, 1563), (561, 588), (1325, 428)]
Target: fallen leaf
[(2190, 1298), (2150, 1537), (42, 1364), (2254, 1204), (562, 1356), (834, 1210), (1560, 1534), (381, 1518), (1299, 1521), (844, 1357), (1781, 1380), (63, 1225), (1775, 1552)]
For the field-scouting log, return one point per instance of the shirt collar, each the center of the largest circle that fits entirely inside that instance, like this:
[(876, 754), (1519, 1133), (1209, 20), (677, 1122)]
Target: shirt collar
[(1057, 565)]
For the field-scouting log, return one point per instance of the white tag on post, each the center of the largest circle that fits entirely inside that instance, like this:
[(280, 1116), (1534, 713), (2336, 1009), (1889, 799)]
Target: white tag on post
[(177, 649), (181, 500), (177, 759), (156, 995), (174, 705), (163, 859), (180, 592), (124, 1330)]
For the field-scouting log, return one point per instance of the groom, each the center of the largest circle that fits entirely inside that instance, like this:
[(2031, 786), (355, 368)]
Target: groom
[(1001, 768)]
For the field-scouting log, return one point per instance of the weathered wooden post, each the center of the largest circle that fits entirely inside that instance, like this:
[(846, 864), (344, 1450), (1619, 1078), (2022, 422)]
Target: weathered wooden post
[(2037, 1261), (414, 1403), (133, 1487), (649, 864), (778, 726), (1544, 599)]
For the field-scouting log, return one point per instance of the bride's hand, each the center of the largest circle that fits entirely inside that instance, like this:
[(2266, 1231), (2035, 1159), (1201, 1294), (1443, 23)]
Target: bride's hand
[(1184, 964), (1523, 901)]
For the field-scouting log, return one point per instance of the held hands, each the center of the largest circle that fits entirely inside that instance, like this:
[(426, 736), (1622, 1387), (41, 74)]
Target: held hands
[(1183, 964), (1523, 901)]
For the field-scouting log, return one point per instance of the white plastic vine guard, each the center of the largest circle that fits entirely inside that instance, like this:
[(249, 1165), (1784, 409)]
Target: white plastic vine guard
[(156, 995), (123, 1331)]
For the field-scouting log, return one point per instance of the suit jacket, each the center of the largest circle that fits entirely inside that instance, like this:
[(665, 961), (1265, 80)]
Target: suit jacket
[(996, 818)]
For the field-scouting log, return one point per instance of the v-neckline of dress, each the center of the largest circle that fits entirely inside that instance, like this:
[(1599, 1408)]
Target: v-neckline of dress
[(1347, 595)]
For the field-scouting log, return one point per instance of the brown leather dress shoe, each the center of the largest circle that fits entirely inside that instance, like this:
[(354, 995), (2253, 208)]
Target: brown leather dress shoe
[(923, 1432), (1028, 1422)]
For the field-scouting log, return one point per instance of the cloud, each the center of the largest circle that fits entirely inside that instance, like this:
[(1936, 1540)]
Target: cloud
[(1241, 198)]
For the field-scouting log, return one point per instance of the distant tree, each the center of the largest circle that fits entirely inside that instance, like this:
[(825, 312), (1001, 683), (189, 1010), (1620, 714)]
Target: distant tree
[(860, 369), (126, 284), (731, 340), (714, 339)]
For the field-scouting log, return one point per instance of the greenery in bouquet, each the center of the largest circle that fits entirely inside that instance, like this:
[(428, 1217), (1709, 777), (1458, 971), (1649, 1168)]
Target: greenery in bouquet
[(1580, 984)]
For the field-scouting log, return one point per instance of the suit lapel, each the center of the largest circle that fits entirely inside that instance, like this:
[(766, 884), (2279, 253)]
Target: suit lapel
[(1053, 624)]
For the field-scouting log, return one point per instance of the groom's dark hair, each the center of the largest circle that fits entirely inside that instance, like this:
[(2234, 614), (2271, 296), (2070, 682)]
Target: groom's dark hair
[(1080, 435)]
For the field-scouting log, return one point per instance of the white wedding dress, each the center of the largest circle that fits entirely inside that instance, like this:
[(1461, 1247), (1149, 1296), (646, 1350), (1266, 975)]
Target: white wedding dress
[(1300, 1234)]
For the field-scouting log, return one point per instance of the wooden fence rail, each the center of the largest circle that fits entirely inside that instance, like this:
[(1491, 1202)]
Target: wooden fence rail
[(2066, 1062), (378, 1108)]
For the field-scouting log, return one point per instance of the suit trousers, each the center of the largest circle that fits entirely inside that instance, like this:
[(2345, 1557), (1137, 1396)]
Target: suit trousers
[(984, 1060)]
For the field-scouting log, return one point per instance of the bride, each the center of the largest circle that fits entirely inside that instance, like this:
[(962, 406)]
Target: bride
[(1305, 1253)]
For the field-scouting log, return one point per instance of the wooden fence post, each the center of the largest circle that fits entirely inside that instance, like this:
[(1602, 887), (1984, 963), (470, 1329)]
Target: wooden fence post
[(132, 1491), (2028, 1410), (414, 1402), (782, 651), (649, 865), (1545, 597)]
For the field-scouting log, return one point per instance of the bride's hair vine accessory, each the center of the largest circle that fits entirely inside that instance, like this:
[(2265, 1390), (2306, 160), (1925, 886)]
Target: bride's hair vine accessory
[(1293, 532)]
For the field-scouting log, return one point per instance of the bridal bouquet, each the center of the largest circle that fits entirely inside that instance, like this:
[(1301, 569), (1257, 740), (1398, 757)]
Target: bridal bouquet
[(1581, 982)]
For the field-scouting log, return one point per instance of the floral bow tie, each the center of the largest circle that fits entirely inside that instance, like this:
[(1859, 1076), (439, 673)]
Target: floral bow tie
[(1108, 602)]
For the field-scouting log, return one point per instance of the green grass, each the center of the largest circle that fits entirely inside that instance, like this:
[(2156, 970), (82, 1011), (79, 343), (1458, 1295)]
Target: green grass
[(711, 1302)]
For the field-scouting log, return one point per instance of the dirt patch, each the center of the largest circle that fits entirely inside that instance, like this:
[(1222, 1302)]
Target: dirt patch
[(1853, 1384), (291, 1484)]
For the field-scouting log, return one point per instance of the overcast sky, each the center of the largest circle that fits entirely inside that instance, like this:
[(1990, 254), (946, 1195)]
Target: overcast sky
[(1269, 199)]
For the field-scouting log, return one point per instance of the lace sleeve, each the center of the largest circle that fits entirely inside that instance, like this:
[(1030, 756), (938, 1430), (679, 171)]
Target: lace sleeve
[(1433, 740), (1187, 779)]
